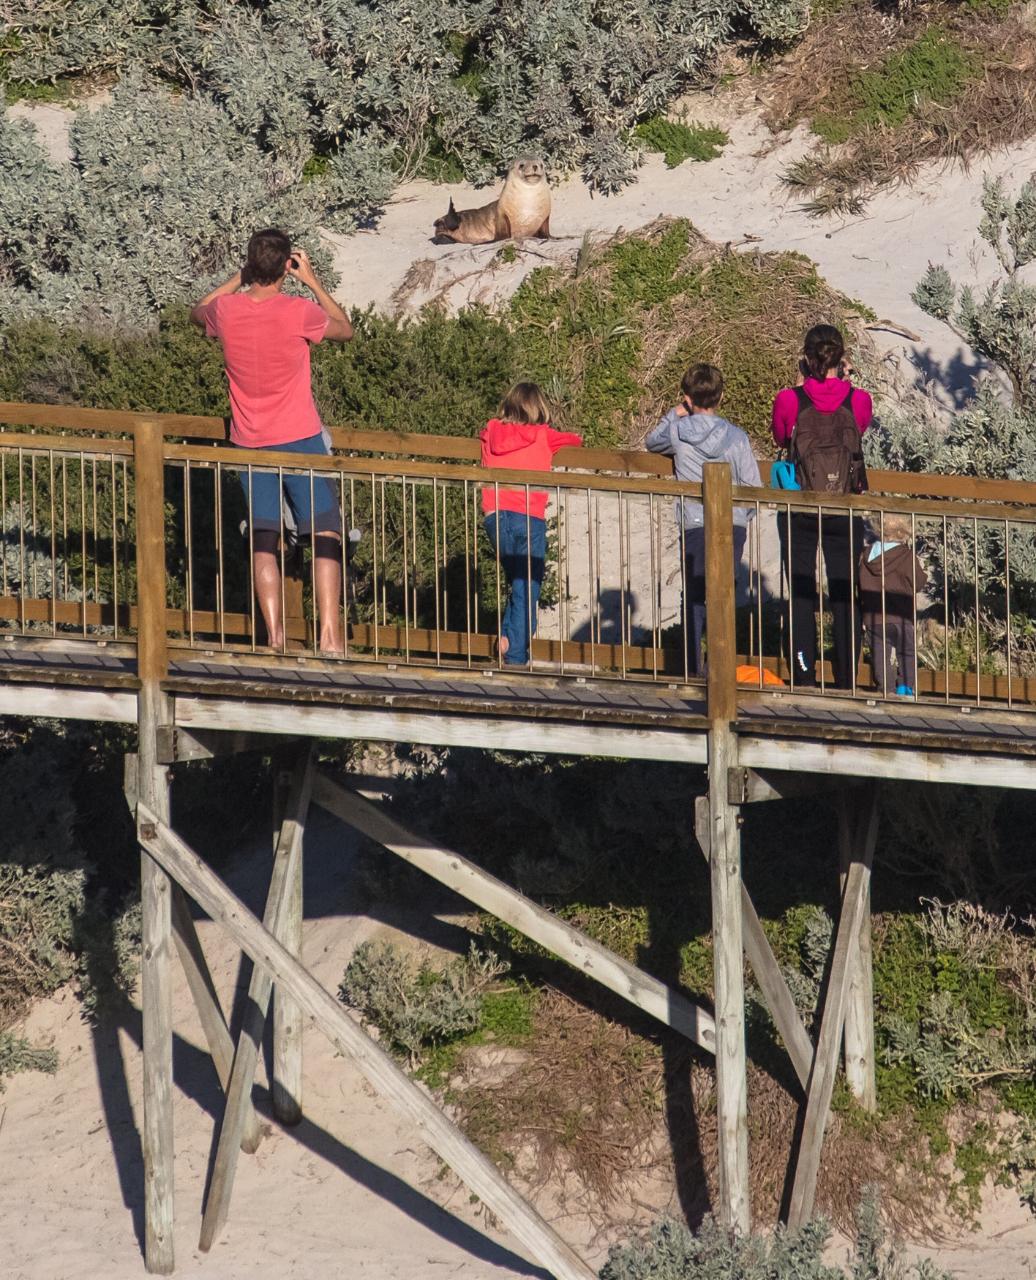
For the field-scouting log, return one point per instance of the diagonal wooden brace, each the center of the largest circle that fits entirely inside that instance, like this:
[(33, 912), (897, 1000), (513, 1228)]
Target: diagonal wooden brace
[(246, 1057), (507, 904), (764, 964), (328, 1014), (855, 903)]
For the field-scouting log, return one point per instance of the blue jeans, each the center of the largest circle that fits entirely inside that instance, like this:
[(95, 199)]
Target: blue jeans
[(520, 543), (694, 591)]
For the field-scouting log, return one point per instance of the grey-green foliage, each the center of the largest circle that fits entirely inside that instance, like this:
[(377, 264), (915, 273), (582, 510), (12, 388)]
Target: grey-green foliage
[(380, 84), (155, 208), (672, 1252), (953, 1047), (1000, 321), (415, 1006)]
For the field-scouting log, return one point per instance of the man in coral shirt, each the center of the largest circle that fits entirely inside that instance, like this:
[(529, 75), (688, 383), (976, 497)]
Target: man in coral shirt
[(266, 336)]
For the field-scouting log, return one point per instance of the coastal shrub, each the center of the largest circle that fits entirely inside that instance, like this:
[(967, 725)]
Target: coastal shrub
[(415, 1006), (671, 1251), (678, 141)]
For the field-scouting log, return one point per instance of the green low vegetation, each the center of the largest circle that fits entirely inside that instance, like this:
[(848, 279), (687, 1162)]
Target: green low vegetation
[(678, 141), (608, 337), (933, 69)]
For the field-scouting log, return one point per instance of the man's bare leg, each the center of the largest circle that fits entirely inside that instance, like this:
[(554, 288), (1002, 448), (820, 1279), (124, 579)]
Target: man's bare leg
[(328, 575), (266, 574)]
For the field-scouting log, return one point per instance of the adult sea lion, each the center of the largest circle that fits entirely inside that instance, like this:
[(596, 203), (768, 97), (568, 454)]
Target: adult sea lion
[(522, 209)]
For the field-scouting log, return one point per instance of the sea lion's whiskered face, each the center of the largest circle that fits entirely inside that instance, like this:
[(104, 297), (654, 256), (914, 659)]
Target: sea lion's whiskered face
[(530, 171)]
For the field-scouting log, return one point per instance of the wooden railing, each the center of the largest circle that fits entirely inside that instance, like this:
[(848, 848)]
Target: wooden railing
[(123, 527)]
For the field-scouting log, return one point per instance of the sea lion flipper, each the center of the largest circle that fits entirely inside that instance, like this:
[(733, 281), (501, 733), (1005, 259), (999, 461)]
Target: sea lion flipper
[(503, 225), (544, 231)]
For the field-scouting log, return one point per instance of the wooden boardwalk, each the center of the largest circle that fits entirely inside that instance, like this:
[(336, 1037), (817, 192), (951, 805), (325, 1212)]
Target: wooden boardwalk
[(109, 613)]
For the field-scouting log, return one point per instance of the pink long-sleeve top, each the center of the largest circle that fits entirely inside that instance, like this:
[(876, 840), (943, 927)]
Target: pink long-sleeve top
[(827, 396)]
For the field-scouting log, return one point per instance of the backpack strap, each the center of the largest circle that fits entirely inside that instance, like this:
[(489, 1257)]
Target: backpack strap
[(802, 397)]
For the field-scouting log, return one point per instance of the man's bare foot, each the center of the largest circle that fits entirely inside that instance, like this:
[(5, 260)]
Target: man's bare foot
[(502, 646)]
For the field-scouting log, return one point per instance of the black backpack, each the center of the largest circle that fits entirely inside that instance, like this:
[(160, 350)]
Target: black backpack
[(825, 448)]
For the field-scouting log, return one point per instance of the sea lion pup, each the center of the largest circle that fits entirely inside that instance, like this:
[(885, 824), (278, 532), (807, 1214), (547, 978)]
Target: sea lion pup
[(522, 209)]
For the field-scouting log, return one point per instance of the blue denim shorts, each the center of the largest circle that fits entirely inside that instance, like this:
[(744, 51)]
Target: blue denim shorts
[(313, 499)]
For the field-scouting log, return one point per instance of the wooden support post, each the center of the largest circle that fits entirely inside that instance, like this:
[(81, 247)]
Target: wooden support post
[(825, 1066), (725, 845), (206, 1002), (764, 964), (155, 896), (199, 978), (288, 852), (330, 1016), (860, 1071), (507, 904), (286, 1081)]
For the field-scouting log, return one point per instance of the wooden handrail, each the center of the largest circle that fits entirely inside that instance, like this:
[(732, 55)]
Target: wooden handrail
[(466, 449)]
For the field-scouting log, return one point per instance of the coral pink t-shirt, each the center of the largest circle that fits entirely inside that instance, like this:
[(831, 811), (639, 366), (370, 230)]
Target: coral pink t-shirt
[(266, 351)]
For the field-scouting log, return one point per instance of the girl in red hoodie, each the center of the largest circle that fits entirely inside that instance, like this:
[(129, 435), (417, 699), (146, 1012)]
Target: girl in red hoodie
[(521, 439), (840, 537)]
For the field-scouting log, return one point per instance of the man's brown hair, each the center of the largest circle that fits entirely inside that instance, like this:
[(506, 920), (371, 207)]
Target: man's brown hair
[(267, 260), (525, 402), (703, 385)]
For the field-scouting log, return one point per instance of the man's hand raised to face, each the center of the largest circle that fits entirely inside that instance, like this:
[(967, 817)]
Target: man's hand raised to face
[(304, 271)]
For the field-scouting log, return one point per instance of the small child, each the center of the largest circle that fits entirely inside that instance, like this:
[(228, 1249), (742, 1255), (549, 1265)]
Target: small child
[(521, 439), (692, 434), (890, 576)]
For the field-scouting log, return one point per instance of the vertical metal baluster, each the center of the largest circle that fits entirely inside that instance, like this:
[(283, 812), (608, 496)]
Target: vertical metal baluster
[(96, 538), (978, 638), (189, 522), (623, 573), (4, 456), (115, 550), (945, 612), (346, 526), (314, 603), (218, 532), (82, 533), (384, 559), (562, 572), (590, 577), (821, 567), (21, 543), (437, 578), (1007, 606), (913, 578), (597, 564), (854, 667), (528, 570), (53, 550), (33, 526), (686, 628), (444, 567), (884, 611), (467, 574), (374, 560), (415, 525), (64, 523), (496, 552), (406, 577), (757, 538)]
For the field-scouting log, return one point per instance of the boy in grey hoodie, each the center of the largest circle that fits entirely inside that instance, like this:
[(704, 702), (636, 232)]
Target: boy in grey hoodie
[(692, 434)]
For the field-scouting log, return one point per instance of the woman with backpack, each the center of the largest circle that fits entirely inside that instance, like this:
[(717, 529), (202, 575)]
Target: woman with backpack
[(820, 423)]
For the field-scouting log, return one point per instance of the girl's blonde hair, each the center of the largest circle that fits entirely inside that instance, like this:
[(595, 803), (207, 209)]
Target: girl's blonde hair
[(896, 526), (525, 402)]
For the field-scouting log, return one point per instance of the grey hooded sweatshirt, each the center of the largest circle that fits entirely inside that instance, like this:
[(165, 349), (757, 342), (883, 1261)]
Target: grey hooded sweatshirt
[(697, 438)]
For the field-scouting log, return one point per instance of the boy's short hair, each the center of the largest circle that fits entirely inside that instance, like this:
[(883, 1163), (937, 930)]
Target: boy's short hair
[(267, 260), (896, 526), (702, 384)]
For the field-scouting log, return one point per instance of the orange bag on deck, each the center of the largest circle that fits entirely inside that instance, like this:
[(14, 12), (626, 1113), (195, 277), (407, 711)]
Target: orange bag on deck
[(750, 675)]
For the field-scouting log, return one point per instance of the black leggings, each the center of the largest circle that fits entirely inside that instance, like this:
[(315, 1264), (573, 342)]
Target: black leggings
[(841, 540)]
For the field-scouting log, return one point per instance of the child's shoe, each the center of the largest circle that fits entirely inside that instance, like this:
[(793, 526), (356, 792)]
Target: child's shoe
[(904, 691)]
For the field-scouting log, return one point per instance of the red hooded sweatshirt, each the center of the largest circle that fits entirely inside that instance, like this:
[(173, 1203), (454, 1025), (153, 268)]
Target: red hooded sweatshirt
[(521, 446), (827, 396)]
